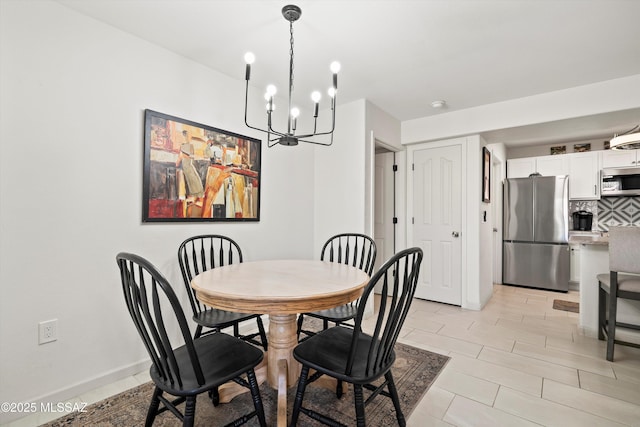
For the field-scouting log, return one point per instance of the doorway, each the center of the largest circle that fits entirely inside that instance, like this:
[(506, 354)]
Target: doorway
[(385, 204)]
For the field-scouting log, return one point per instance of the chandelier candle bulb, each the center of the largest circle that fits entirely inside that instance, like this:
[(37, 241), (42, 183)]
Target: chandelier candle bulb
[(294, 117), (249, 59), (335, 68), (315, 97)]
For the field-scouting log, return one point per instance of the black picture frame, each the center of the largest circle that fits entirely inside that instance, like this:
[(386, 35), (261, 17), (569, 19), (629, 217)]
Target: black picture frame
[(198, 173), (486, 175)]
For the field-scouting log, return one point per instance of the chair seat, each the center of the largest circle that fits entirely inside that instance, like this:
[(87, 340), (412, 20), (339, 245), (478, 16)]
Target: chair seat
[(214, 318), (222, 358), (336, 314), (626, 282), (328, 352)]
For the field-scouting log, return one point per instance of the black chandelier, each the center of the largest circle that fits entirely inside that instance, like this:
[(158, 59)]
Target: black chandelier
[(292, 13)]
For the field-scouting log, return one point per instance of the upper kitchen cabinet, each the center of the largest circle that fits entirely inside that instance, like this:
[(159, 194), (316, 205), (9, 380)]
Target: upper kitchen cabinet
[(521, 168), (552, 165), (584, 172), (620, 158), (544, 165)]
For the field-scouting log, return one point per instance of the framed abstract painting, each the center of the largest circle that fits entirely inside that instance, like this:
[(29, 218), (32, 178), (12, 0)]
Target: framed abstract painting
[(198, 173), (486, 175)]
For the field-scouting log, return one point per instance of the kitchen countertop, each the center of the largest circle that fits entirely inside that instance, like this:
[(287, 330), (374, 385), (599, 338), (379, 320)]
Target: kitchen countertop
[(588, 238)]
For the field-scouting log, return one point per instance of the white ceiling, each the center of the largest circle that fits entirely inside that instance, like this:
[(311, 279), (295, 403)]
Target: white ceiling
[(403, 54)]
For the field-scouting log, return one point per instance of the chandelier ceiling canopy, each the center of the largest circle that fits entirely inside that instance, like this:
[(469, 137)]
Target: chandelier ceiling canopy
[(290, 137)]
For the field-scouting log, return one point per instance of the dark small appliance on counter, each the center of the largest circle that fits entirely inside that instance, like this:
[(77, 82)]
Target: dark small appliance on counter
[(582, 220)]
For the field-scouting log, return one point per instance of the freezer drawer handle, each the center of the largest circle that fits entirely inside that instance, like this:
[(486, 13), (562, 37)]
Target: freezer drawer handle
[(455, 234)]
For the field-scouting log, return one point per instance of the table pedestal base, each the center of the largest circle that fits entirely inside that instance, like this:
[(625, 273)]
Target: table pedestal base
[(279, 367), (282, 340)]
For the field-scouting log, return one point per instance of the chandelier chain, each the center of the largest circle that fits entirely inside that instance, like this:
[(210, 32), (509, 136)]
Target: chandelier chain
[(291, 56)]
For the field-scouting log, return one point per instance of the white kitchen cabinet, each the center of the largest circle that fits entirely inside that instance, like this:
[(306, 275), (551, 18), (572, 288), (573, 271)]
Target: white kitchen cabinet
[(544, 165), (521, 168), (552, 165), (620, 158), (574, 264), (584, 176)]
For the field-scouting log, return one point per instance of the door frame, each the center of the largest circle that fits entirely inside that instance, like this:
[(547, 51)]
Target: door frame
[(497, 172), (382, 148)]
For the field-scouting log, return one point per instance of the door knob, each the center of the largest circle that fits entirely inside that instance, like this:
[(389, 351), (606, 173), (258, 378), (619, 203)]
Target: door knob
[(455, 234)]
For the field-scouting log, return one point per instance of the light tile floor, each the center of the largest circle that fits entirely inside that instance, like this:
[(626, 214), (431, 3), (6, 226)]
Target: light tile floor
[(518, 362)]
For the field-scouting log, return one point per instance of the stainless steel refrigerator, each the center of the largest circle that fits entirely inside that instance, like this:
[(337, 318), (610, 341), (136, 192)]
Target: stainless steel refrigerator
[(536, 232)]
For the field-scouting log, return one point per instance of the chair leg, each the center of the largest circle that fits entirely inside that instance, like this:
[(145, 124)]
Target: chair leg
[(300, 321), (263, 335), (602, 312), (189, 412), (214, 396), (257, 399), (297, 404), (339, 389), (611, 325), (393, 391), (153, 407), (359, 401), (198, 332)]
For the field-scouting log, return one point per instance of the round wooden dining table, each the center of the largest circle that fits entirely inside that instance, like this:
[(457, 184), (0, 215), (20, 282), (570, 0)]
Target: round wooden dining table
[(281, 289)]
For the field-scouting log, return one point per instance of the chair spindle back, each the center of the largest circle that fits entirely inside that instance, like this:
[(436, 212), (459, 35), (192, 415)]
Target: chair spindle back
[(357, 250), (154, 307), (398, 278), (205, 252)]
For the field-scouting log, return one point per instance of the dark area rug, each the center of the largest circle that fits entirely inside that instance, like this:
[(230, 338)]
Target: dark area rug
[(563, 305), (414, 371)]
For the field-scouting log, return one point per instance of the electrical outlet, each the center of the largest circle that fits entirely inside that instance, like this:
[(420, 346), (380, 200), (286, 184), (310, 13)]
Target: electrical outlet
[(47, 331)]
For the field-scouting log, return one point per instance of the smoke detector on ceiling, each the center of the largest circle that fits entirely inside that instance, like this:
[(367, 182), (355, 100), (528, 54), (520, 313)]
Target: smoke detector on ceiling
[(438, 104)]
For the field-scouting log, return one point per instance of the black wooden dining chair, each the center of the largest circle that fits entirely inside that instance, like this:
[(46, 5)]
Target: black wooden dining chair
[(183, 371), (357, 250), (350, 355), (624, 257), (201, 253)]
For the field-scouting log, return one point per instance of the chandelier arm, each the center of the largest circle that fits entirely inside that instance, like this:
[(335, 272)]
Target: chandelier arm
[(269, 130), (328, 132), (317, 142)]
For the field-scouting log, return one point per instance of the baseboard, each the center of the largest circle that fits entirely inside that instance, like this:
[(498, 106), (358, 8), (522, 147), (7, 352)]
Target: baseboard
[(574, 286), (66, 393)]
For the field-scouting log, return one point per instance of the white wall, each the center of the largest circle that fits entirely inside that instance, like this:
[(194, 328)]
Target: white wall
[(597, 98), (339, 195), (545, 150), (382, 127), (71, 144)]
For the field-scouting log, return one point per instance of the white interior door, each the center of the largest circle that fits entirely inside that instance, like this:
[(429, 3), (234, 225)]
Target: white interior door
[(437, 220), (384, 208)]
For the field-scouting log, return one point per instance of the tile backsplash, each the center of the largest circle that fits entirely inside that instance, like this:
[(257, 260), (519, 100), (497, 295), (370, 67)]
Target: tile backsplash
[(609, 211)]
